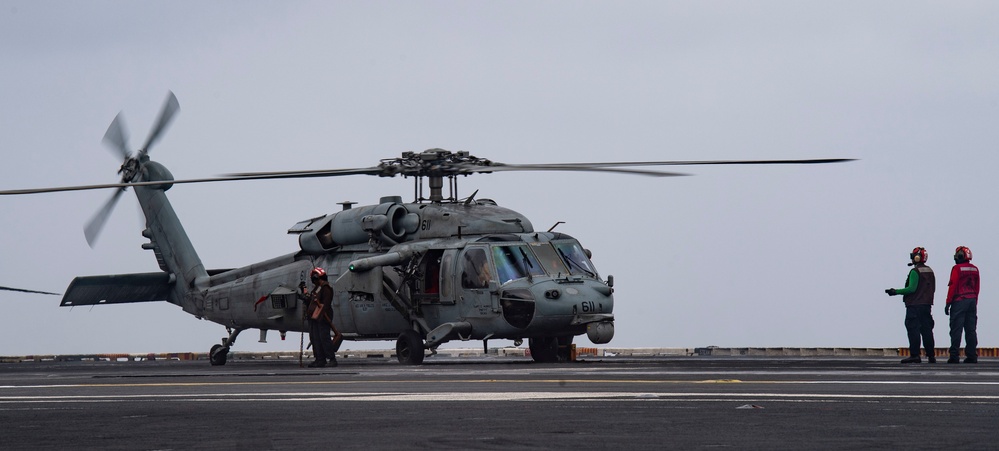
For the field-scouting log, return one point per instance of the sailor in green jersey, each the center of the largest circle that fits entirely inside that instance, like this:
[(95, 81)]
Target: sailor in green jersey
[(918, 298)]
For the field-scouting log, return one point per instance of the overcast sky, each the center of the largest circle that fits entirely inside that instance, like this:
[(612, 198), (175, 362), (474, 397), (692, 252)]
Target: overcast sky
[(733, 256)]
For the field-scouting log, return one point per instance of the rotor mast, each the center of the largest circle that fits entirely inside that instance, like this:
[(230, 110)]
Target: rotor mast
[(436, 189)]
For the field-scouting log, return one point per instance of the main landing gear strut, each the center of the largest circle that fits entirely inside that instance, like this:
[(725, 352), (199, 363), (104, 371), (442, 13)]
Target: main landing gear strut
[(219, 353)]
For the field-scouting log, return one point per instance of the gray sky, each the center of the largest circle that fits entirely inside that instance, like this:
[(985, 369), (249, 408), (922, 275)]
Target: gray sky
[(734, 256)]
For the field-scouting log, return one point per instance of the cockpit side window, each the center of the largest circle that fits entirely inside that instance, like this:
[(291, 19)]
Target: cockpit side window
[(515, 262), (475, 269), (575, 258)]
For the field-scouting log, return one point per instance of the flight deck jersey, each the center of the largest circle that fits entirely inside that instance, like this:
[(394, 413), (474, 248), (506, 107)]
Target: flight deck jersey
[(320, 306), (964, 280), (922, 293)]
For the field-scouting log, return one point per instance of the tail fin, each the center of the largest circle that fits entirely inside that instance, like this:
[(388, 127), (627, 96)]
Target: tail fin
[(174, 251)]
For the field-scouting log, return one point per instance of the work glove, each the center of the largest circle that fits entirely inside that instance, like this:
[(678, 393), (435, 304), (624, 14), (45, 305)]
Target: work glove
[(947, 310), (890, 291)]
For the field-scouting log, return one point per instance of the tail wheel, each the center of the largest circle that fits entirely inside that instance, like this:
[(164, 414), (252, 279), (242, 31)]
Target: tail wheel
[(409, 348), (544, 349)]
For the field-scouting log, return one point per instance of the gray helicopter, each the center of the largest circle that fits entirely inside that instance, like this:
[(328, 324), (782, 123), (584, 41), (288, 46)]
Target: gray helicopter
[(422, 273)]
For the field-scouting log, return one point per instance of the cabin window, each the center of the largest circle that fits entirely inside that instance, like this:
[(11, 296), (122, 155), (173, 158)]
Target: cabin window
[(575, 258), (475, 269), (515, 262)]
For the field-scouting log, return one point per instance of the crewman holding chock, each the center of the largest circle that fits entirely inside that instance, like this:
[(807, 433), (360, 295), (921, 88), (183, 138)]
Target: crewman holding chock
[(319, 314)]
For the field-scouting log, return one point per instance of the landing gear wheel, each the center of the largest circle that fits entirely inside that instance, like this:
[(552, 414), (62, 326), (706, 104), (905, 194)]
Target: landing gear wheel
[(218, 355), (409, 348), (543, 349)]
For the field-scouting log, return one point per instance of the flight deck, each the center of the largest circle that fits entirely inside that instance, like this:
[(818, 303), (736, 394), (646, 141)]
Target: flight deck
[(501, 402)]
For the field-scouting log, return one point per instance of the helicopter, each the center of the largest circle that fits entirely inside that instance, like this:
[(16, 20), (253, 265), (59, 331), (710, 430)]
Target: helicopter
[(423, 273)]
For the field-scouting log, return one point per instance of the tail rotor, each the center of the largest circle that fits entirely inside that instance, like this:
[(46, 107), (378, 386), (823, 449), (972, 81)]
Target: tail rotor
[(116, 138)]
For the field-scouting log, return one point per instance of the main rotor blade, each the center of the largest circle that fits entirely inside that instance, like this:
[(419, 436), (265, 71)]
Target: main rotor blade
[(27, 291), (225, 178), (614, 167), (93, 228), (117, 138), (170, 107), (502, 167), (305, 174), (56, 189), (695, 162)]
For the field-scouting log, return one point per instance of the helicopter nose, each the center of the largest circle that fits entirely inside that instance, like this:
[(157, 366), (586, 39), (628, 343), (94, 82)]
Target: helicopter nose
[(573, 305), (557, 308), (581, 298)]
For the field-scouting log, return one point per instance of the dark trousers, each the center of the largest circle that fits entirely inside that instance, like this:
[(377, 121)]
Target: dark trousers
[(919, 322), (322, 343), (964, 317)]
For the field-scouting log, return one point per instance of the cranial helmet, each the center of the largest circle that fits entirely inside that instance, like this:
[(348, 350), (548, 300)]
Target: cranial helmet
[(918, 255), (962, 254), (318, 273)]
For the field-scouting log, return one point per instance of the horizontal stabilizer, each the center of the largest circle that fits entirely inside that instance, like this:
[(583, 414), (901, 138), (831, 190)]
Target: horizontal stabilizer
[(118, 289)]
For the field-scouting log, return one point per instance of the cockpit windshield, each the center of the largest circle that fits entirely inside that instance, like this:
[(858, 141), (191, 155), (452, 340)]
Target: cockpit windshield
[(575, 258), (515, 262), (527, 260), (550, 260)]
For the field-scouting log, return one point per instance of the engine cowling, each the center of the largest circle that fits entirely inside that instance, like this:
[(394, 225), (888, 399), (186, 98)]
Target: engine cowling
[(389, 221)]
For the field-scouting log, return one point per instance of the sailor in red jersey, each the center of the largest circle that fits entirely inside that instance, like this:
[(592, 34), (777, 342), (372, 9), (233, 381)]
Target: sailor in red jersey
[(962, 306)]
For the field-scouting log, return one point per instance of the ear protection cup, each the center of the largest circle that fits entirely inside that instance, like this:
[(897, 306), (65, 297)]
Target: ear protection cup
[(918, 255)]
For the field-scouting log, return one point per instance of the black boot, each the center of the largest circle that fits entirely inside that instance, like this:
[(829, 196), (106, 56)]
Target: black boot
[(954, 359), (913, 359)]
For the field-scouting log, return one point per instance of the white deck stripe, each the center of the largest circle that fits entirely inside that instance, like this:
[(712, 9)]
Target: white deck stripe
[(484, 397)]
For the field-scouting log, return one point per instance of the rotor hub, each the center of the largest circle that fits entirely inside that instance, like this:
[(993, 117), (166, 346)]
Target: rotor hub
[(432, 163), (435, 164), (129, 170)]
